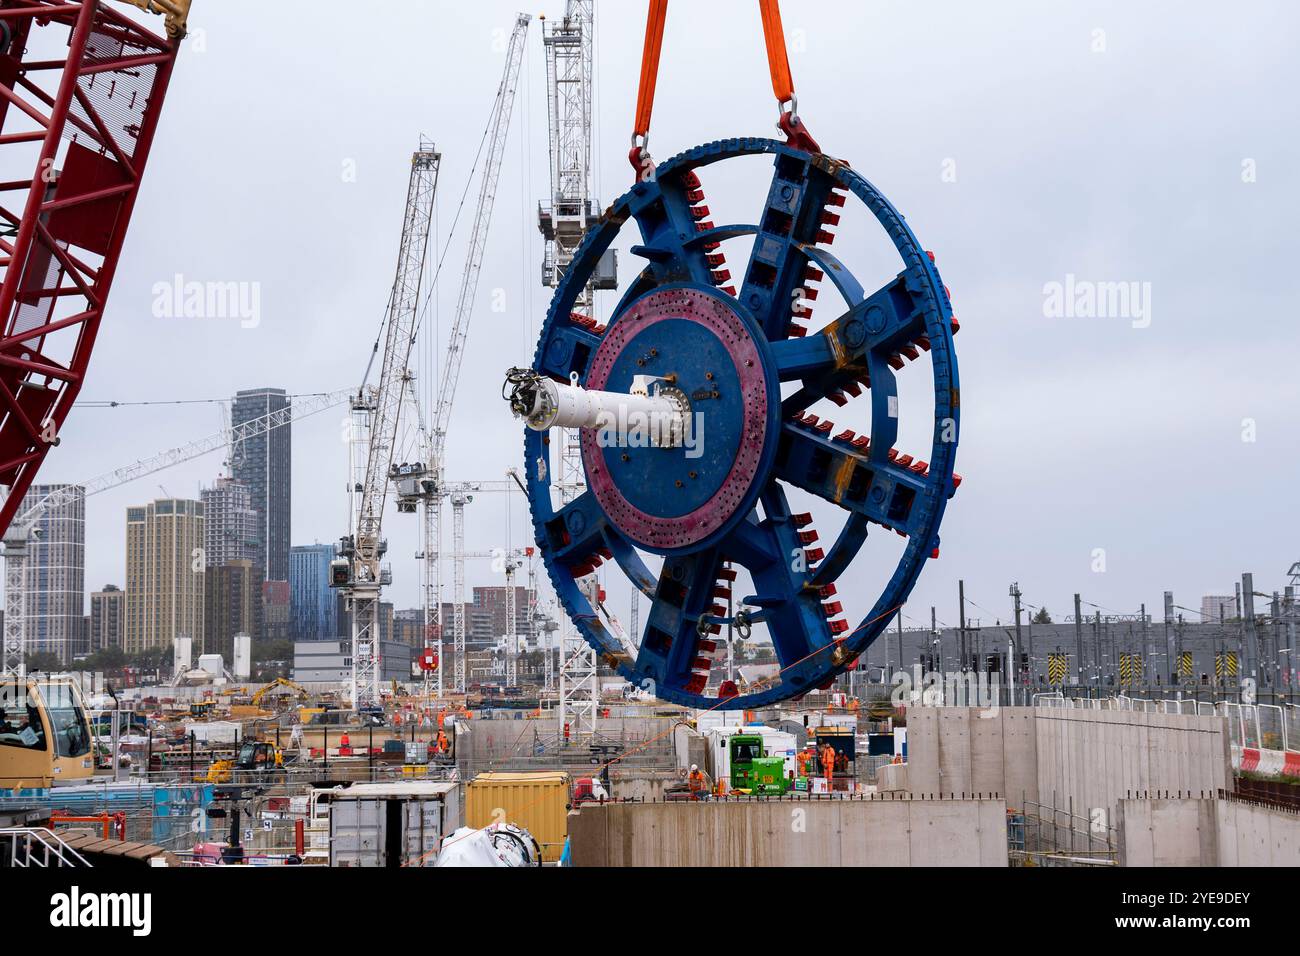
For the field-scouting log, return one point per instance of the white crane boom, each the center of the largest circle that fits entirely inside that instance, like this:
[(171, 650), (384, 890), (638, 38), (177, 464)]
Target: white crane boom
[(381, 406), (19, 534), (498, 125)]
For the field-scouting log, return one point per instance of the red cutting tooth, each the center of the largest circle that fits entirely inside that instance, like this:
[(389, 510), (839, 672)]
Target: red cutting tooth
[(716, 259), (920, 467), (700, 212), (839, 398), (956, 481), (835, 199), (713, 629), (846, 435), (910, 351), (865, 379), (814, 555), (605, 553), (923, 341), (824, 237), (797, 331), (935, 554), (896, 361), (599, 330), (581, 570), (901, 534), (833, 608), (802, 520), (956, 326), (720, 276), (728, 290), (838, 627), (947, 292), (694, 196), (827, 590), (701, 664), (690, 180), (813, 274), (710, 246), (807, 537), (727, 574), (861, 442), (810, 294), (696, 684), (718, 610), (904, 461), (853, 388), (930, 254), (826, 426), (893, 454), (810, 420), (830, 219), (722, 593), (708, 647)]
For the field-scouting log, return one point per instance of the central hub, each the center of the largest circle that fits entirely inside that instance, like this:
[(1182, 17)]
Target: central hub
[(695, 342)]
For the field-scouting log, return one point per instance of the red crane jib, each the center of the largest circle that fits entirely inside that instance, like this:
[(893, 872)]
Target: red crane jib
[(83, 124)]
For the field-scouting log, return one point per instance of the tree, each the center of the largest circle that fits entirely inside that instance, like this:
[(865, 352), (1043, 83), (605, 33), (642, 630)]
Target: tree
[(1042, 617), (42, 661)]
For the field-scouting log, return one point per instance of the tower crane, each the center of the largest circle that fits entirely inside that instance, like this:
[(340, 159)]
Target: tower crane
[(425, 484), (563, 223), (20, 531), (357, 571)]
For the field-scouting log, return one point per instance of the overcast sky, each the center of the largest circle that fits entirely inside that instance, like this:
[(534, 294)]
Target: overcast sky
[(1026, 142)]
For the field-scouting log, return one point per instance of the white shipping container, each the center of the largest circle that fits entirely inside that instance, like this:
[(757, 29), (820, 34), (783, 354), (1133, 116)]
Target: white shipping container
[(392, 824)]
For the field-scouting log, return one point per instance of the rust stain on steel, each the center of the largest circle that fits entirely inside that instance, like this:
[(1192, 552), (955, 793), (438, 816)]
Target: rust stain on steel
[(843, 475)]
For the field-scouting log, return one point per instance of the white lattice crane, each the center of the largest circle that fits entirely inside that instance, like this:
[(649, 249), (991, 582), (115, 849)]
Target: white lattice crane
[(377, 411), (571, 212), (426, 485)]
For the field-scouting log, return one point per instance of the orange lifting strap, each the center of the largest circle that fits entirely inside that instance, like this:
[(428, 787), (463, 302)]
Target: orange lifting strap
[(778, 62)]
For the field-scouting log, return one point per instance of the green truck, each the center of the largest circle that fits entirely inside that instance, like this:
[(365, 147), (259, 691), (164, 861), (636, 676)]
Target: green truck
[(752, 770)]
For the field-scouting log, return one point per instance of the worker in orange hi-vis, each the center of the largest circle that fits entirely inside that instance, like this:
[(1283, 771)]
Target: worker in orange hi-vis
[(695, 780), (442, 741), (828, 763), (442, 716)]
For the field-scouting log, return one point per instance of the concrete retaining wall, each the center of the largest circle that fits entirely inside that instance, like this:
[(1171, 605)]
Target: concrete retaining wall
[(866, 832), (1206, 832), (1084, 758)]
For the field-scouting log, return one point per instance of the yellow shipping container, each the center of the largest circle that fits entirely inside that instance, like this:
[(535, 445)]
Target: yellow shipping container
[(538, 802)]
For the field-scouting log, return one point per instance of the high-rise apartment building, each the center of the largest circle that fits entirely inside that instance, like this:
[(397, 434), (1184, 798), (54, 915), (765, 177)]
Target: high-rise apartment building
[(56, 575), (231, 530), (107, 608), (164, 574), (1218, 607), (232, 605), (265, 465), (314, 604)]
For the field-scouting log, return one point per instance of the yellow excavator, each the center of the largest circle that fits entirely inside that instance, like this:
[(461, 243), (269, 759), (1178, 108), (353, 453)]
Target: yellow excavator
[(256, 757), (280, 682)]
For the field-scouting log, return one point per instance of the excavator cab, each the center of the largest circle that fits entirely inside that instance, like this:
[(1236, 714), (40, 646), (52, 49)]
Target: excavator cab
[(259, 755)]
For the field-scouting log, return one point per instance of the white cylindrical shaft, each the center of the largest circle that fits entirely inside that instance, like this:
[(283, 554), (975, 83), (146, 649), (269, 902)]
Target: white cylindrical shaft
[(569, 406)]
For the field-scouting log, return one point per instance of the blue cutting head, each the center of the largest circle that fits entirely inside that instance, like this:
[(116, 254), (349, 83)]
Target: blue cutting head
[(745, 358)]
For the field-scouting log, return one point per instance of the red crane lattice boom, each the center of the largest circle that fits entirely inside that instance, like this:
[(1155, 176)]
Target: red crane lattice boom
[(81, 90)]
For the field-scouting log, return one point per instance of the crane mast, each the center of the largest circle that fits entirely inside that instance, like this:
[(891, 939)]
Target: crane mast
[(563, 223), (360, 575)]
